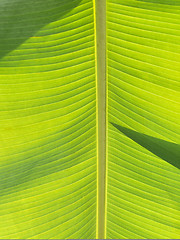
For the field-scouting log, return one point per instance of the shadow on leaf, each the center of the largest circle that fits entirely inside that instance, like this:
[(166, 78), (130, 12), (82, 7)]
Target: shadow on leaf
[(20, 20), (168, 151)]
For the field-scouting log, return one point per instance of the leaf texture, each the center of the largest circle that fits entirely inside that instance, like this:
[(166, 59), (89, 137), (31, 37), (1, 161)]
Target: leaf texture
[(48, 170), (48, 119), (143, 58)]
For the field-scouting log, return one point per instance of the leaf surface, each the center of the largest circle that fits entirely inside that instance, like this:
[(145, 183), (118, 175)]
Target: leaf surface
[(48, 120), (52, 108), (143, 119)]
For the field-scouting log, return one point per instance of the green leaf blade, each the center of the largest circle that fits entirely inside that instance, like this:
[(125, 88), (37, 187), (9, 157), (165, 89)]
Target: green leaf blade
[(143, 112), (48, 120)]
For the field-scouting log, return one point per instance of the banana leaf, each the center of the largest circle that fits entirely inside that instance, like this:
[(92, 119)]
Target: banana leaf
[(65, 172)]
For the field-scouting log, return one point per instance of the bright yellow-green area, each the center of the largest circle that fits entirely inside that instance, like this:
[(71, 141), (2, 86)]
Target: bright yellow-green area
[(48, 120), (53, 135), (143, 192)]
